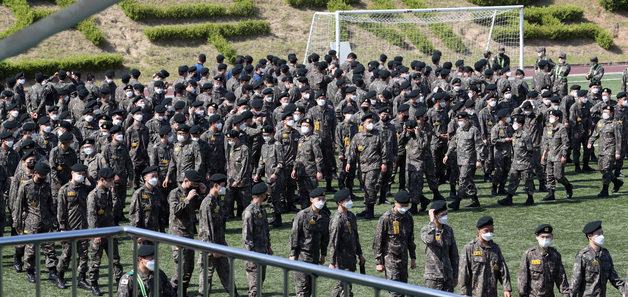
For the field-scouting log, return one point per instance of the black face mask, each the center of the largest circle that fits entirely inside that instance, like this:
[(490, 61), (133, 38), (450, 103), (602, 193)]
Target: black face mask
[(30, 165), (385, 118), (405, 117), (364, 108)]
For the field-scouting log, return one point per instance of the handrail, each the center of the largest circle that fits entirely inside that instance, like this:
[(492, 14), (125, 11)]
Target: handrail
[(262, 259)]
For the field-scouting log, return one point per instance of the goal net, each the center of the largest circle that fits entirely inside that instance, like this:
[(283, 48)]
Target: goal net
[(459, 33)]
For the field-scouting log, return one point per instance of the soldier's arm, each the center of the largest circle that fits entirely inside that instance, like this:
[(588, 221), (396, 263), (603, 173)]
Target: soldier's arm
[(248, 240), (577, 275), (177, 206), (594, 136), (242, 174), (567, 70), (333, 239), (464, 276), (428, 233), (153, 156), (504, 273), (198, 158), (17, 208), (91, 212), (260, 167), (325, 240), (172, 169), (613, 277), (129, 165), (495, 136), (166, 286), (453, 254), (134, 212), (452, 146), (294, 237), (339, 141), (410, 241), (125, 288), (378, 242), (600, 74), (280, 159), (54, 177), (565, 141), (62, 214), (618, 138), (318, 154), (478, 145), (561, 279), (386, 151), (523, 277)]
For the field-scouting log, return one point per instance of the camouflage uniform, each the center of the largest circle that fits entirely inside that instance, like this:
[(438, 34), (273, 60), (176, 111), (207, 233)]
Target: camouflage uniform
[(160, 154), (502, 152), (419, 162), (60, 162), (487, 118), (255, 238), (216, 153), (344, 133), (137, 142), (271, 162), (182, 223), (309, 161), (388, 134), (481, 267), (324, 128), (521, 168), (394, 241), (125, 288), (466, 144), (438, 119), (560, 79), (369, 151), (611, 139), (441, 257), (72, 215), (597, 72), (118, 159), (591, 271), (100, 214), (344, 247), (581, 126), (239, 169), (540, 269), (308, 242), (186, 156), (145, 209), (555, 142)]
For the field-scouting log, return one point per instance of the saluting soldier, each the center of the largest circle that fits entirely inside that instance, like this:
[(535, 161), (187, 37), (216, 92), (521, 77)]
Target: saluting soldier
[(309, 239), (593, 267), (145, 276), (145, 209), (394, 241), (482, 264), (256, 236), (441, 251), (541, 267)]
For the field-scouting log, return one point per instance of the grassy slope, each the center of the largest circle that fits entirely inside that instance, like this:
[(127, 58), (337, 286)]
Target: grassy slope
[(514, 233)]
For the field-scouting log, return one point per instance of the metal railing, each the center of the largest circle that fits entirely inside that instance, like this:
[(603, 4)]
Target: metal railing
[(316, 271)]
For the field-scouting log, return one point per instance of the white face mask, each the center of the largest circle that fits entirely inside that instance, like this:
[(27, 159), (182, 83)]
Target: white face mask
[(150, 265), (321, 102), (180, 138), (266, 138), (515, 126), (353, 97), (153, 181), (599, 240), (595, 91), (142, 105), (159, 118), (200, 112), (508, 119), (306, 96), (231, 143), (242, 126), (470, 95), (222, 191), (219, 126), (138, 117), (105, 134), (606, 116), (540, 54), (296, 117), (348, 204), (119, 137), (268, 99), (73, 145), (96, 111), (290, 123), (443, 220), (471, 111), (625, 103), (488, 236), (305, 130), (508, 96), (555, 107), (169, 107), (89, 118), (527, 112), (14, 113), (9, 143), (544, 242), (492, 103), (457, 88), (402, 210), (552, 120), (585, 100), (370, 126), (117, 122), (129, 94), (442, 104), (229, 103), (319, 204), (88, 151), (109, 81), (170, 138), (159, 91), (605, 98), (421, 99), (284, 104), (195, 139), (461, 124), (54, 117), (21, 81), (47, 129), (33, 135), (79, 178), (349, 117), (547, 102), (373, 102)]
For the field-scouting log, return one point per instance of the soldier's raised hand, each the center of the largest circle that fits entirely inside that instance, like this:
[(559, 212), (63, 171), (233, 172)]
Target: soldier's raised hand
[(379, 268)]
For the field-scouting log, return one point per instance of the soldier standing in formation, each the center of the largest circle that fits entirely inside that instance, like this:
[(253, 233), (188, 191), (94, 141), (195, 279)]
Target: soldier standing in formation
[(441, 251), (609, 132), (256, 236)]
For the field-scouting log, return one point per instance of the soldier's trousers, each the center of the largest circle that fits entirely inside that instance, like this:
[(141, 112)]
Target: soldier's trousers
[(48, 249), (397, 270), (306, 184), (502, 165), (439, 284), (489, 160), (251, 277), (516, 175), (371, 185), (539, 169), (415, 181), (439, 149), (137, 176), (400, 167), (384, 181), (119, 198), (345, 179), (339, 289), (452, 167), (221, 266), (275, 195), (66, 256), (581, 140), (555, 173), (241, 196), (619, 164), (96, 256), (560, 88), (290, 186), (329, 160), (187, 256), (303, 281), (465, 181), (606, 165)]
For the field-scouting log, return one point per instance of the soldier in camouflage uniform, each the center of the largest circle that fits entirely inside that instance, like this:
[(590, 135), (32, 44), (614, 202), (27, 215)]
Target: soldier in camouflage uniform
[(100, 213), (541, 77), (324, 120), (72, 215), (270, 166), (487, 118), (309, 239), (561, 72), (308, 165), (212, 228), (521, 167), (183, 201), (239, 170), (116, 153), (33, 214), (61, 158), (438, 118), (137, 139), (160, 155), (145, 209), (186, 156), (541, 267), (345, 131), (621, 115), (370, 151), (145, 276), (593, 266), (25, 172), (216, 140), (554, 149), (482, 264), (394, 241), (609, 132), (256, 236), (344, 241), (501, 139), (596, 72), (388, 134), (441, 251), (581, 127), (93, 160)]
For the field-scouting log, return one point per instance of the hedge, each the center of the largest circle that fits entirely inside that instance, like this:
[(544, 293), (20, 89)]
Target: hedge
[(335, 4), (204, 31), (86, 26), (500, 2), (137, 11), (24, 16), (566, 13), (85, 63), (613, 5)]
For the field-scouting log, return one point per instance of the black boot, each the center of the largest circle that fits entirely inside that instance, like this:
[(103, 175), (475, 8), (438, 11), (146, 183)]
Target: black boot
[(413, 209), (17, 264), (506, 201), (530, 200), (276, 221), (452, 192), (549, 196), (30, 274), (370, 212), (587, 168), (569, 190), (82, 283), (487, 177), (578, 169), (617, 183), (455, 205), (364, 212), (438, 196), (474, 202), (329, 188), (502, 190), (424, 203), (96, 289), (494, 190), (53, 277), (60, 280), (604, 192), (542, 187)]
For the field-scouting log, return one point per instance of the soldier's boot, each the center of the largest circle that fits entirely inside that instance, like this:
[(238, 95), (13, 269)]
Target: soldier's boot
[(96, 289), (506, 201), (530, 200), (587, 168), (362, 213), (413, 209), (452, 192), (82, 283), (17, 264), (569, 190), (329, 188), (502, 190), (30, 275), (578, 169), (60, 283), (53, 277), (542, 187), (370, 211), (549, 196), (455, 205), (424, 203), (494, 190), (487, 177), (438, 196), (603, 192), (617, 183), (276, 221), (474, 202)]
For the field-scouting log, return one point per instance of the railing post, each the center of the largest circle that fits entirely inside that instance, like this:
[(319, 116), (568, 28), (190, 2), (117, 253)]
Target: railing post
[(285, 282), (204, 280), (314, 278), (157, 271), (74, 267), (376, 292), (231, 280), (180, 272), (345, 286), (37, 270), (110, 263), (1, 279), (135, 270), (259, 279)]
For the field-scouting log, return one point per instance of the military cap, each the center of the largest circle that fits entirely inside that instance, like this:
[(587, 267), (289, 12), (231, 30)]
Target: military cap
[(233, 134), (348, 109), (342, 194), (109, 73), (82, 92), (115, 129), (582, 93), (65, 124), (179, 105), (268, 129), (506, 89), (420, 111), (526, 104), (78, 167), (502, 113), (135, 110), (150, 169), (463, 115), (403, 107), (594, 59), (218, 178), (259, 188), (308, 121), (43, 120), (402, 196), (317, 192), (593, 83), (459, 63), (439, 96), (183, 128), (469, 103), (519, 119), (609, 108), (196, 103), (196, 129), (164, 130), (28, 144), (367, 116), (458, 105), (242, 102), (456, 81), (159, 84), (575, 87), (42, 168), (27, 154), (213, 118), (556, 113), (6, 134), (607, 90), (562, 56), (66, 137), (106, 125), (350, 89), (104, 90), (410, 124), (304, 89), (439, 206), (491, 87), (404, 85), (384, 109), (444, 72), (621, 95), (146, 250), (106, 173), (193, 176), (384, 74), (592, 227), (160, 109), (542, 63), (412, 94), (52, 108), (544, 229), (484, 221), (533, 94), (245, 115), (257, 103), (29, 126), (88, 141), (546, 94)]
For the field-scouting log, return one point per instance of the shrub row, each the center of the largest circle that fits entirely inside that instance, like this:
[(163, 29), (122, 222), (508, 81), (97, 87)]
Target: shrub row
[(23, 13), (335, 4), (204, 31), (613, 5), (87, 26), (84, 63), (137, 11), (565, 13), (500, 2)]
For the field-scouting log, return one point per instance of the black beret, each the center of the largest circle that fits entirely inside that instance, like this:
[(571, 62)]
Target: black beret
[(135, 110), (115, 129), (27, 154), (469, 103), (403, 107), (506, 89), (179, 105), (82, 92), (109, 73), (582, 93), (196, 129), (342, 194), (485, 221), (463, 115), (526, 104), (533, 94), (502, 113), (78, 167), (29, 126), (412, 94), (420, 111), (106, 173), (106, 125), (233, 134), (547, 94), (259, 188), (384, 109), (348, 109), (593, 83), (160, 109), (458, 105), (370, 94), (28, 144), (545, 228), (384, 74), (592, 227), (520, 119), (183, 128), (257, 103), (164, 130), (5, 135), (308, 121), (150, 169), (218, 178), (556, 113), (104, 90), (42, 168), (491, 87), (439, 206), (193, 176), (66, 137), (609, 107), (317, 192), (213, 118), (555, 99), (621, 95), (268, 129), (158, 83), (367, 116), (88, 141), (575, 87), (402, 196), (350, 89), (146, 250)]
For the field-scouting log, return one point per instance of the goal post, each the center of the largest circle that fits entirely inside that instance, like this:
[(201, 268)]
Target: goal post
[(458, 33)]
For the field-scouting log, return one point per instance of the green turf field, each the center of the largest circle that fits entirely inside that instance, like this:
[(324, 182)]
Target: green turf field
[(514, 228)]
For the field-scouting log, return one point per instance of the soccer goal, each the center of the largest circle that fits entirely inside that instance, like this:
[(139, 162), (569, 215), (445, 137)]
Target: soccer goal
[(459, 33)]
